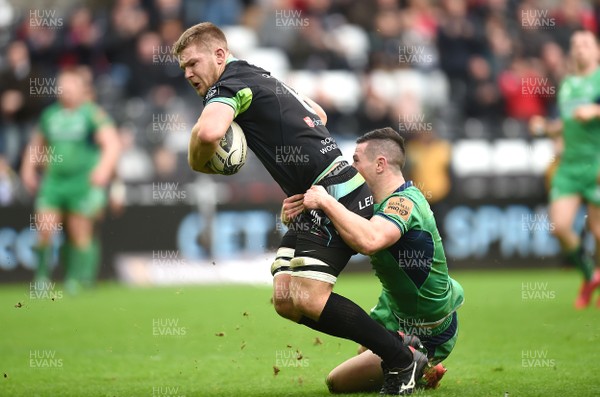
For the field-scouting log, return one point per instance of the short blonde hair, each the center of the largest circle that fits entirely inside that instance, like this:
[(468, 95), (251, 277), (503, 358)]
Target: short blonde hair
[(203, 33)]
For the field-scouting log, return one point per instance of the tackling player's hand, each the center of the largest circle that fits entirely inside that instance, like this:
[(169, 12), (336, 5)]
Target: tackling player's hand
[(537, 125), (315, 196), (292, 207), (585, 113)]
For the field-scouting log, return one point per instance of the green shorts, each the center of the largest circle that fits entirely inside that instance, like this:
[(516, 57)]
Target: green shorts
[(577, 179), (70, 195), (438, 341)]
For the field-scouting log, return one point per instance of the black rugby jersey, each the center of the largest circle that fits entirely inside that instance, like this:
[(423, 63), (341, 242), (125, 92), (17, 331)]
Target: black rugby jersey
[(282, 130)]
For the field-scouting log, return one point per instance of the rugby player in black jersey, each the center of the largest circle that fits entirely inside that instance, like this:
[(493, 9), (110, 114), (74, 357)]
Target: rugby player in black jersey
[(312, 254)]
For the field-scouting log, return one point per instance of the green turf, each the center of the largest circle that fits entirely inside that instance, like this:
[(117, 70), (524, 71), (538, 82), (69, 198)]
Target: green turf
[(103, 342)]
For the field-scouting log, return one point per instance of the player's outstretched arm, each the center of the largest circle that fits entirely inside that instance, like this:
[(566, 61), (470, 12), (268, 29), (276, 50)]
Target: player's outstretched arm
[(362, 235), (29, 164), (206, 134)]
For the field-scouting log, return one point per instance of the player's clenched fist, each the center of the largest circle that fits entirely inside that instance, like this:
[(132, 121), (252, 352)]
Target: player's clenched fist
[(315, 196)]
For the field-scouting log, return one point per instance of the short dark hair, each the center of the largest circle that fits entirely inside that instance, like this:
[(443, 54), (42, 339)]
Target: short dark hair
[(386, 142), (204, 32)]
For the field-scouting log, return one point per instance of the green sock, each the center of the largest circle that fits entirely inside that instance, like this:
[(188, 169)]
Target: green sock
[(73, 262), (44, 255), (581, 261), (83, 263), (89, 270), (64, 252)]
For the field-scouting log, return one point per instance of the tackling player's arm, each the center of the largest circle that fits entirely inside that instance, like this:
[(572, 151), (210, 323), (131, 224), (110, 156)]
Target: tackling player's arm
[(107, 140), (29, 164), (362, 235), (206, 134)]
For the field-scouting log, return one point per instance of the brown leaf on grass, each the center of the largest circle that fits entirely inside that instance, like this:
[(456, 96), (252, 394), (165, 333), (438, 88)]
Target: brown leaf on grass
[(243, 345), (275, 370), (317, 341), (220, 334), (19, 305)]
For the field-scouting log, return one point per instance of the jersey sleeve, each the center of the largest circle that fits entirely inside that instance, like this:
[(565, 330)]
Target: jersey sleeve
[(399, 211), (99, 118), (232, 92)]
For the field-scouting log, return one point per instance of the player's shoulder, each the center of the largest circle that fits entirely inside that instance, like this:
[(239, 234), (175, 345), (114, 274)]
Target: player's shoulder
[(240, 70), (411, 193), (95, 113), (234, 78), (91, 108), (50, 110), (596, 74), (53, 107)]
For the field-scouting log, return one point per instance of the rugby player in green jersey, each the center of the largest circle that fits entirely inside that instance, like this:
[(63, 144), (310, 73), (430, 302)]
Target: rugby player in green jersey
[(76, 148), (419, 298), (577, 178)]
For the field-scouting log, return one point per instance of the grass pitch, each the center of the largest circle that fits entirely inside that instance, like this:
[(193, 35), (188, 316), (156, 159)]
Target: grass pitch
[(518, 335)]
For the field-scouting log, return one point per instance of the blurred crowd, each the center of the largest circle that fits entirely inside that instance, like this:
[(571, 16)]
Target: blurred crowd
[(437, 70)]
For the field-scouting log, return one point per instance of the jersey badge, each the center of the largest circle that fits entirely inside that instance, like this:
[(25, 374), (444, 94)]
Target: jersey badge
[(400, 206)]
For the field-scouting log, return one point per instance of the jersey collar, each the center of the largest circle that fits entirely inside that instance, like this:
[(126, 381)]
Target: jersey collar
[(405, 186)]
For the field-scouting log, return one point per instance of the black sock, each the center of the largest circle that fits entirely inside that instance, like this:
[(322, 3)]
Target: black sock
[(345, 319)]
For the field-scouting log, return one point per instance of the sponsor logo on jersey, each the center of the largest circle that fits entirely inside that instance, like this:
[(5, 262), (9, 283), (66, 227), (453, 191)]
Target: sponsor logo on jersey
[(312, 122), (399, 206)]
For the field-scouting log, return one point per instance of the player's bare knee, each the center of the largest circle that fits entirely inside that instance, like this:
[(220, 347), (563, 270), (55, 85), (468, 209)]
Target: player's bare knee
[(560, 229), (44, 235), (285, 308)]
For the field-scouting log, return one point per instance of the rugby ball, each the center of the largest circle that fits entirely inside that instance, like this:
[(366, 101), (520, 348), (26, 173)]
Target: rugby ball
[(231, 152)]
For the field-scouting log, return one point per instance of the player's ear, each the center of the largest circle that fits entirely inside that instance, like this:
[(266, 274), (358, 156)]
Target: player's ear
[(221, 55), (380, 163)]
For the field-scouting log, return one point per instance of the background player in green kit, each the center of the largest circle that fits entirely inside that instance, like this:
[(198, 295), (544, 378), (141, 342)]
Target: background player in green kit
[(418, 298), (577, 177), (76, 148)]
